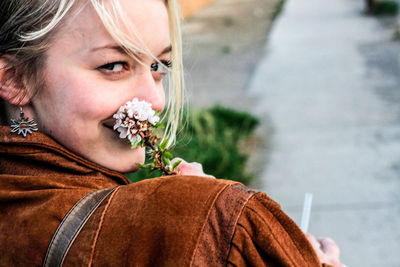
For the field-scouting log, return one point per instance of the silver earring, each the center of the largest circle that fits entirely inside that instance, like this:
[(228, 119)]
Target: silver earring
[(23, 125)]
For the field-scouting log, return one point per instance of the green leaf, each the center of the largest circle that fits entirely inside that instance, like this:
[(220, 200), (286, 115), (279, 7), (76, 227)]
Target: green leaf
[(135, 145), (146, 166), (142, 166), (142, 143), (159, 125), (176, 164), (167, 155), (164, 144)]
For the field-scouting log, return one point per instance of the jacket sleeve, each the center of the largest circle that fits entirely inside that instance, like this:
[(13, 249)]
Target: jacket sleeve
[(266, 236)]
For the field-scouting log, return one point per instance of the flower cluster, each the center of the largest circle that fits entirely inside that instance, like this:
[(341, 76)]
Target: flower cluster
[(134, 119)]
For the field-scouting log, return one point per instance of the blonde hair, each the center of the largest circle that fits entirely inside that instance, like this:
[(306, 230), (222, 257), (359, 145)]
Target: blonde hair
[(35, 40)]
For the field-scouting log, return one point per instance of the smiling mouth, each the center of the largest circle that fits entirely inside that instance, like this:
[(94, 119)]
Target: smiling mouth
[(109, 123)]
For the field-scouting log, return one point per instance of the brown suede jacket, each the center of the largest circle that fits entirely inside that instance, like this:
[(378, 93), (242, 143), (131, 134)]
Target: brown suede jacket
[(167, 221)]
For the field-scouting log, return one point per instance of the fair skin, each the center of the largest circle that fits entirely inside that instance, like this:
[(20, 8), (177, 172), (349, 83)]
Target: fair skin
[(88, 77), (327, 250)]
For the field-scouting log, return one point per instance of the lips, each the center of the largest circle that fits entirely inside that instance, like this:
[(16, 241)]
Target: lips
[(109, 123)]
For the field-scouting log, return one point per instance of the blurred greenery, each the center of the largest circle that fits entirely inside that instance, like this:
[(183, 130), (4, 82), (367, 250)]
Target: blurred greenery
[(212, 137), (385, 7), (279, 9)]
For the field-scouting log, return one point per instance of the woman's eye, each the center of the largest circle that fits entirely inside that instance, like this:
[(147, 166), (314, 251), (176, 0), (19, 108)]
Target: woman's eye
[(114, 67), (155, 66), (158, 67)]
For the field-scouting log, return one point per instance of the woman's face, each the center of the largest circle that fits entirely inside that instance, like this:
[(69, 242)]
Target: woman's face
[(88, 77)]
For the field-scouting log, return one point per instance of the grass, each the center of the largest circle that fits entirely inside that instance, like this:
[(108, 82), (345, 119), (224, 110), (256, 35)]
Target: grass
[(212, 137)]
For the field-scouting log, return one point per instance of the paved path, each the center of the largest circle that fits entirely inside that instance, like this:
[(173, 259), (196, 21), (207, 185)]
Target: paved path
[(223, 43), (329, 92)]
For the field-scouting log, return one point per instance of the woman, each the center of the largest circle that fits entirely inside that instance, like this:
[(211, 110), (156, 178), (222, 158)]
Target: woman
[(69, 65)]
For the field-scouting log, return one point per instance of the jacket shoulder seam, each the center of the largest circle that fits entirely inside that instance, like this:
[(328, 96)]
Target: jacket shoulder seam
[(205, 223), (93, 247), (220, 224), (272, 233)]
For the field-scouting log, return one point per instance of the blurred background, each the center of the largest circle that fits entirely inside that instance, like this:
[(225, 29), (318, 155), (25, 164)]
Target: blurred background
[(308, 95), (302, 96)]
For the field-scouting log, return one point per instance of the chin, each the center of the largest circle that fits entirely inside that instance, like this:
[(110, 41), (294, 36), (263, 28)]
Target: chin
[(127, 163), (123, 168), (129, 169), (121, 160)]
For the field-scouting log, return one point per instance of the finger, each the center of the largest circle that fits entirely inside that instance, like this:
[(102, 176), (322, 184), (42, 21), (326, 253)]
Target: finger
[(313, 241), (317, 247), (197, 166), (181, 166), (329, 247), (177, 159), (185, 168), (193, 168)]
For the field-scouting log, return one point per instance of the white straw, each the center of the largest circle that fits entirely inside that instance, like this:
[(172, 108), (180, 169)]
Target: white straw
[(305, 218)]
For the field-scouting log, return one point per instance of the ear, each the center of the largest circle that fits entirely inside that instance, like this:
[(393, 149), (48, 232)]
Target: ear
[(12, 88)]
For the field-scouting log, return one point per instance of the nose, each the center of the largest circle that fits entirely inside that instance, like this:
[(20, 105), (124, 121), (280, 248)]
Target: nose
[(151, 90)]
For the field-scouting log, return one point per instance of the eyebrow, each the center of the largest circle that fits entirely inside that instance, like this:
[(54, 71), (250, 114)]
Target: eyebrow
[(166, 50), (112, 47), (122, 51)]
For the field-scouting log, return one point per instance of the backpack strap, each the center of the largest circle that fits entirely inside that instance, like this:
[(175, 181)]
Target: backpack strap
[(72, 224)]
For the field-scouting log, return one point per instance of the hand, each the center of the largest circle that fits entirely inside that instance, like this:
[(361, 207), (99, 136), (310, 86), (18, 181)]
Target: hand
[(327, 250), (193, 168)]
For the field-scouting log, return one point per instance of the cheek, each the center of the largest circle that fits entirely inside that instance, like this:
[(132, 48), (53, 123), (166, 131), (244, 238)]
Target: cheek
[(78, 97)]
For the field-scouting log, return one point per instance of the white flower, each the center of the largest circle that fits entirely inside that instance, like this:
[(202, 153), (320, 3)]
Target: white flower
[(141, 115), (153, 120), (132, 118), (134, 138), (123, 132)]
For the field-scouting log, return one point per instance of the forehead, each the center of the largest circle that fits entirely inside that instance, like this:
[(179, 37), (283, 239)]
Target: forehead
[(142, 23)]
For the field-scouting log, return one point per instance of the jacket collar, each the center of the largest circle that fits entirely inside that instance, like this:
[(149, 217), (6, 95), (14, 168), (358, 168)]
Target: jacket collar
[(45, 151)]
